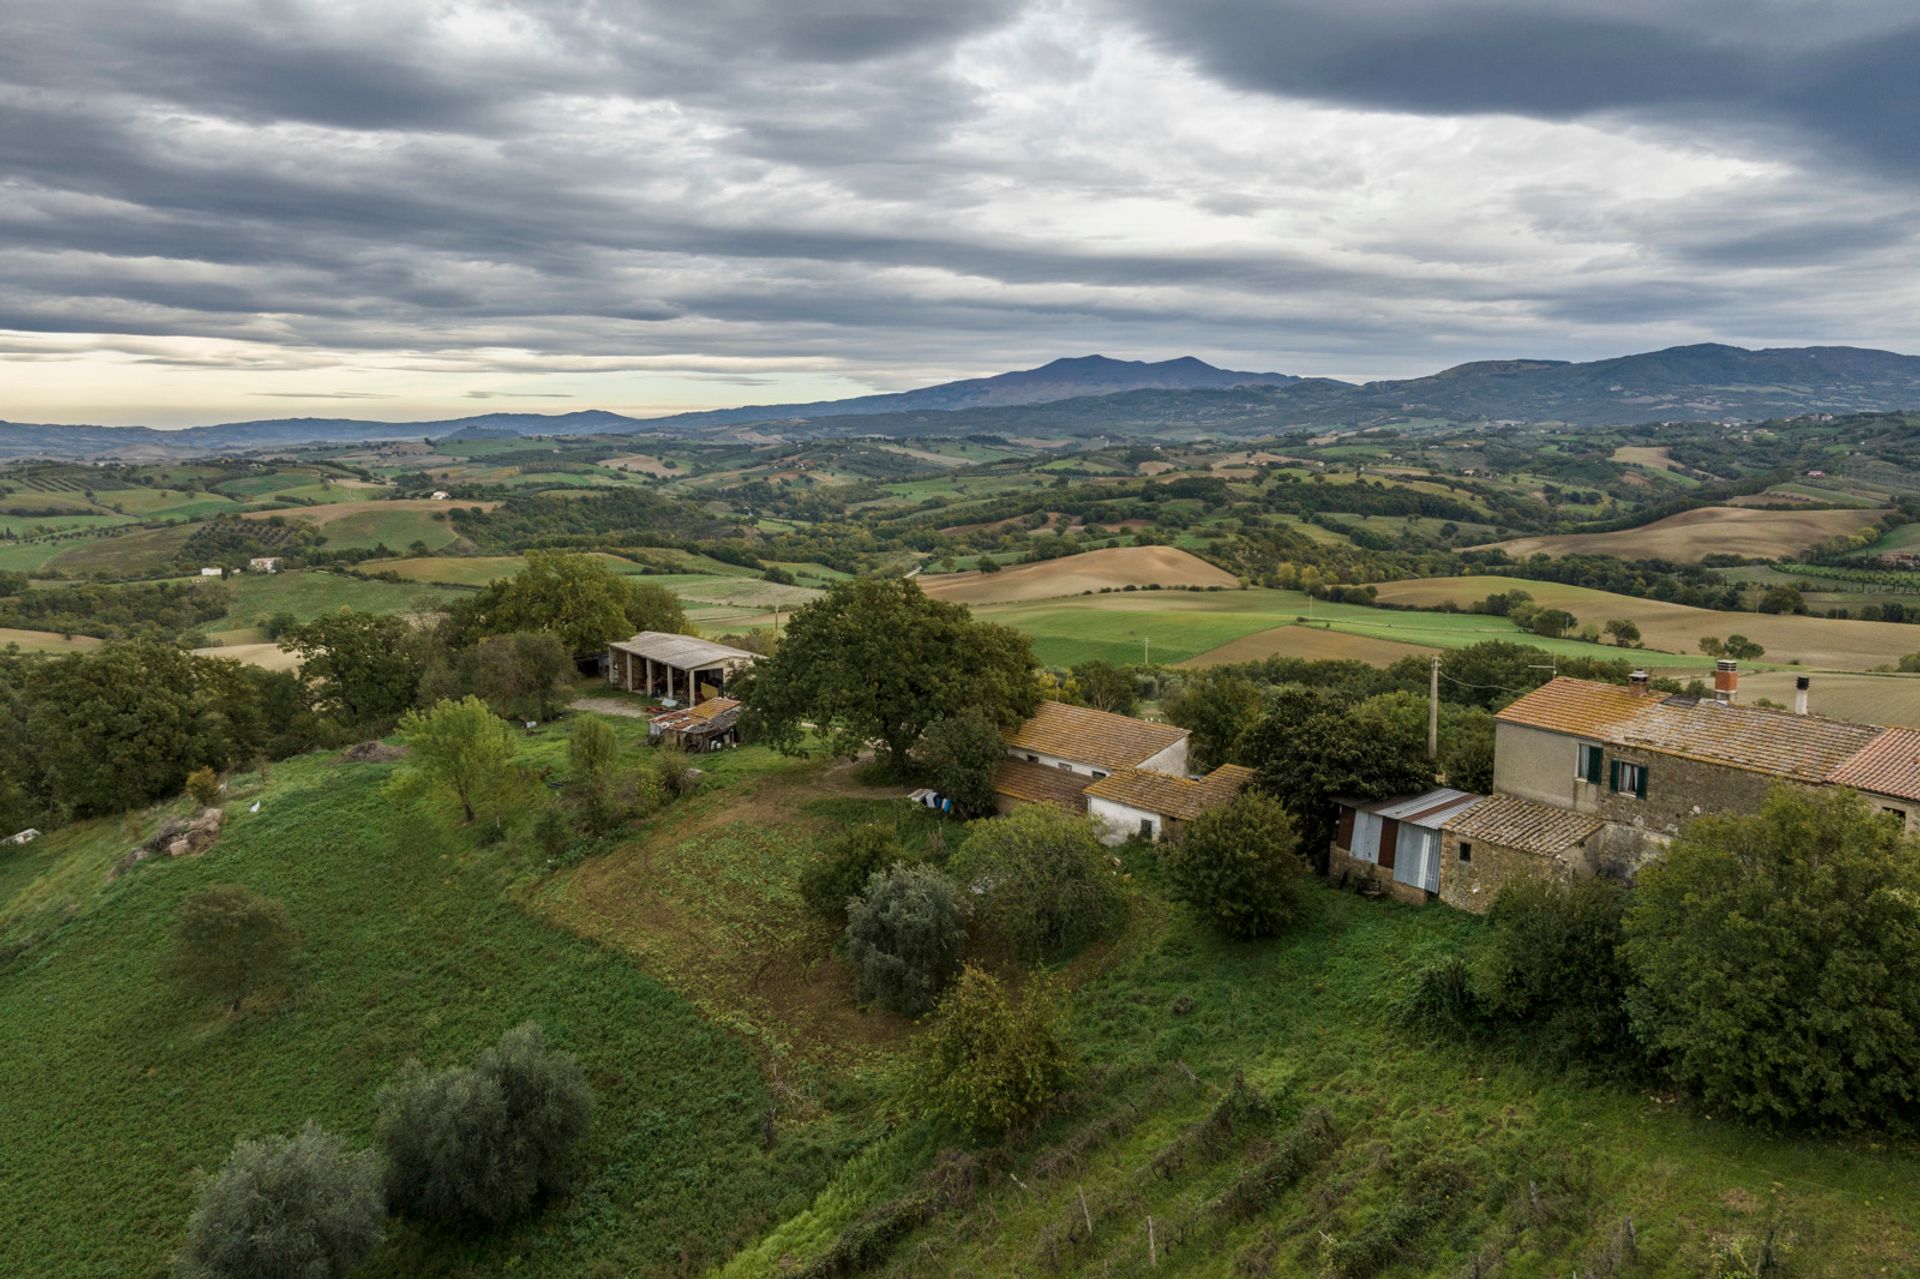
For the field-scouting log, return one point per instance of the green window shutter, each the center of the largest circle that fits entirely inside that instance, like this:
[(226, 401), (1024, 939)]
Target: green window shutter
[(1640, 783), (1593, 764), (1613, 775)]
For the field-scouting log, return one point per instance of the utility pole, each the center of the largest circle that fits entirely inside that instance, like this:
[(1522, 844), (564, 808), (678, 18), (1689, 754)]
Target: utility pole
[(1433, 708), (1146, 651)]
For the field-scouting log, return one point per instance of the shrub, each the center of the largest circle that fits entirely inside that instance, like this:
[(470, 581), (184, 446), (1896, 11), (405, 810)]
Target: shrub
[(286, 1208), (905, 936), (592, 749), (229, 940), (995, 1063), (483, 1145), (1777, 961), (962, 754), (1553, 967), (840, 871), (1044, 880), (1239, 866), (460, 751), (204, 787)]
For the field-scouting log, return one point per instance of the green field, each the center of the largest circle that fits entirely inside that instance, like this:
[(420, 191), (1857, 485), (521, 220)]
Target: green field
[(137, 551), (1178, 625), (474, 570), (308, 593), (120, 1096), (36, 525)]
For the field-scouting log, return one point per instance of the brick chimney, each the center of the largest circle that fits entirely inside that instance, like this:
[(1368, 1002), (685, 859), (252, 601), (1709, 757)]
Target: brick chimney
[(1637, 682), (1726, 680), (1800, 686)]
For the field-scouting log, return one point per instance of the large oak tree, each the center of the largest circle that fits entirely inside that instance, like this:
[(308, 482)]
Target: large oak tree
[(876, 661)]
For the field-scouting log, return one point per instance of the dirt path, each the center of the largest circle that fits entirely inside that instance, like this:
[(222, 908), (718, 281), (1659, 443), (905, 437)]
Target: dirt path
[(610, 706)]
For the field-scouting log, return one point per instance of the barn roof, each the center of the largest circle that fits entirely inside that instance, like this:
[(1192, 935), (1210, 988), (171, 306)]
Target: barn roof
[(1042, 784), (1429, 808), (1086, 736), (713, 715), (1181, 798), (1804, 748), (682, 652)]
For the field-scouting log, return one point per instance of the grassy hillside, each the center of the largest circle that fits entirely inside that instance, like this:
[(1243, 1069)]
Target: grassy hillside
[(119, 1095)]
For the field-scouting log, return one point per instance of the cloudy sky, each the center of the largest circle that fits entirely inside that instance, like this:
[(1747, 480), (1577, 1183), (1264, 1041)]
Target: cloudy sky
[(213, 209)]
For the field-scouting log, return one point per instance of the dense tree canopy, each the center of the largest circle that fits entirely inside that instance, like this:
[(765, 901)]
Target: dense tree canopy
[(876, 660), (1309, 751), (300, 1207), (961, 755), (1240, 867), (1778, 961), (363, 668), (573, 596)]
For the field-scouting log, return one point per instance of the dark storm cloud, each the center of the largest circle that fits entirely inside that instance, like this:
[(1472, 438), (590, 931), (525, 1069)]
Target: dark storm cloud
[(502, 187), (1839, 76)]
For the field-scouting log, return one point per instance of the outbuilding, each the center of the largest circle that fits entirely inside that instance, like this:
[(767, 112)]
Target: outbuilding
[(1397, 841), (674, 668), (712, 725)]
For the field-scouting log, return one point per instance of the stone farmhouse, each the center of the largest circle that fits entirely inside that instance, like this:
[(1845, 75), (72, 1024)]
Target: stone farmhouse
[(1128, 774), (1593, 778)]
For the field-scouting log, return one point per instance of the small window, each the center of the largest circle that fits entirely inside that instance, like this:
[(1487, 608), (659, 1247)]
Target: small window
[(1146, 828), (1466, 851), (1587, 765), (1064, 767), (1033, 759), (1897, 815), (1098, 774), (1630, 779)]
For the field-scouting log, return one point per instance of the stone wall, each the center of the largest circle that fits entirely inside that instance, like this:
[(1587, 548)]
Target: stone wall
[(1342, 864), (1472, 885)]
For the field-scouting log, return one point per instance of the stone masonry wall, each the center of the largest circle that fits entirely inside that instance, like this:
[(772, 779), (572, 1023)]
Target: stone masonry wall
[(1341, 863), (1472, 885)]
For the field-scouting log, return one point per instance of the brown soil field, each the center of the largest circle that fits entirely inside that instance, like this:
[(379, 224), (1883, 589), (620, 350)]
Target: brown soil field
[(1870, 699), (266, 656), (1312, 643), (1657, 459), (1711, 530), (1154, 468), (1012, 521), (1817, 643), (327, 514), (45, 641), (1072, 574)]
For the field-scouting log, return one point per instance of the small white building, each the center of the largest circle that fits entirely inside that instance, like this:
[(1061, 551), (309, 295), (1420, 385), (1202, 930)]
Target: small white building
[(440, 495), (210, 572), (26, 836), (264, 564)]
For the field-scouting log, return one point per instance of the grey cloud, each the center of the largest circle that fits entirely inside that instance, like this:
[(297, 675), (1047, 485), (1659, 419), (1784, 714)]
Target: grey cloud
[(1841, 76)]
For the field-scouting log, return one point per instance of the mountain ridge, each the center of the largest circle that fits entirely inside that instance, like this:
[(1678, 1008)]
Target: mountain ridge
[(1701, 381)]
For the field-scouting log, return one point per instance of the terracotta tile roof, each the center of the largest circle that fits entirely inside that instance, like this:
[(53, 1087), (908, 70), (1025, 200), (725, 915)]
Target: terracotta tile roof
[(1804, 748), (1181, 798), (1521, 824), (1042, 784), (1100, 739), (1887, 765)]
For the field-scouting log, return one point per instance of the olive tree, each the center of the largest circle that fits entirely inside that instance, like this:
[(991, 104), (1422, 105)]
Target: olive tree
[(301, 1207), (1043, 879), (905, 936), (483, 1144)]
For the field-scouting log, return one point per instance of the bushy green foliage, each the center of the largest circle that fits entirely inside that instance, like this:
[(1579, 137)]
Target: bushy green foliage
[(1553, 969), (1218, 708), (122, 726), (996, 1062), (1308, 751), (575, 597), (1466, 734), (362, 667), (1240, 867), (1044, 882), (1105, 687), (876, 660), (229, 940), (905, 936), (525, 675), (483, 1145), (286, 1208), (154, 610), (840, 871), (592, 749), (460, 751), (203, 786), (1778, 961), (962, 754)]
